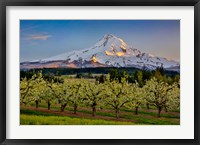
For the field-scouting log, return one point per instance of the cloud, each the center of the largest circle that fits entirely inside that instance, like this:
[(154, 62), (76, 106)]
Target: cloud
[(39, 37), (29, 28)]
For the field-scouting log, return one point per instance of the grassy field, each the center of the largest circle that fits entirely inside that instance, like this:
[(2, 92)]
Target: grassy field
[(41, 116), (64, 120)]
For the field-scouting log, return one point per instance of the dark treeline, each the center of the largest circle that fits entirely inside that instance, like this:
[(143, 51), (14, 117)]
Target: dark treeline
[(131, 74), (141, 76), (47, 76), (71, 71)]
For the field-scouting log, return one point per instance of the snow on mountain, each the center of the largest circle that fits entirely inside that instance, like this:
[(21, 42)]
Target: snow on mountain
[(109, 51)]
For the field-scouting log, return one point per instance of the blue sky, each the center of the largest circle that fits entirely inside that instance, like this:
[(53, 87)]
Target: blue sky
[(45, 38)]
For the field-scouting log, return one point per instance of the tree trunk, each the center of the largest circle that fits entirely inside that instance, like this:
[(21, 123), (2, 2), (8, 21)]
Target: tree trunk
[(49, 105), (62, 108), (136, 110), (75, 108), (93, 111), (117, 113), (36, 103), (159, 111), (148, 106), (166, 110)]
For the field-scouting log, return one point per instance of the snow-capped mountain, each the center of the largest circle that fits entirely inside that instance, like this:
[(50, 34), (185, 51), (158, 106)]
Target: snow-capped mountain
[(109, 51)]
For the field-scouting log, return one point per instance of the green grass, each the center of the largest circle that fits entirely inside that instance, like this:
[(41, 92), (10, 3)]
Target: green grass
[(64, 120), (36, 113), (140, 111), (152, 113), (138, 119), (144, 116)]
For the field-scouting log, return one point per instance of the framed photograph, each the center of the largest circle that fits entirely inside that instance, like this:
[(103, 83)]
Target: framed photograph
[(99, 72)]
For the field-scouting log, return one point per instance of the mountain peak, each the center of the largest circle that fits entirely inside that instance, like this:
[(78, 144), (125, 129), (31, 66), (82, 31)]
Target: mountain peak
[(109, 51), (108, 35), (111, 46)]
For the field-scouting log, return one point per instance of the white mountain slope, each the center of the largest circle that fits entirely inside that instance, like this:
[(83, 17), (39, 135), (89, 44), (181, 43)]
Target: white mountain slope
[(109, 51)]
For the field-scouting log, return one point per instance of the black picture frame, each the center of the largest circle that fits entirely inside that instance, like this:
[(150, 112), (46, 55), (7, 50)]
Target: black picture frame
[(5, 3)]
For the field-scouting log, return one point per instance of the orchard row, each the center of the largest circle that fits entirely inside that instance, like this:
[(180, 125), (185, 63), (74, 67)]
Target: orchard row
[(90, 93)]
